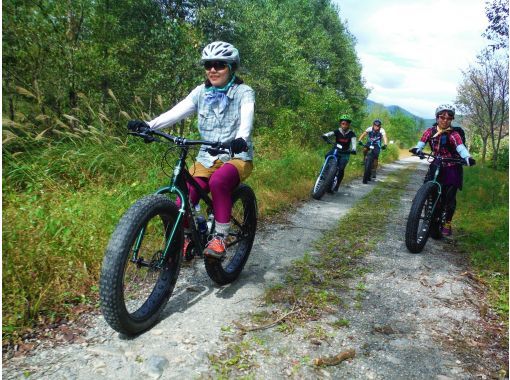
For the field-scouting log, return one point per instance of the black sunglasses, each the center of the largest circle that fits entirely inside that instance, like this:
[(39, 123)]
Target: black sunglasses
[(218, 65)]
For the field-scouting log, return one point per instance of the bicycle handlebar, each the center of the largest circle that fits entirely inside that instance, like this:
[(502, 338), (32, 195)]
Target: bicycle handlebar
[(216, 147), (459, 161), (334, 144)]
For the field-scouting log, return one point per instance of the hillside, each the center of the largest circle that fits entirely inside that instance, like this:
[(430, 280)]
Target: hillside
[(393, 109)]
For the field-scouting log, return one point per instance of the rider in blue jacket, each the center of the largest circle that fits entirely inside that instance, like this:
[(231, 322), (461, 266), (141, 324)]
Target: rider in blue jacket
[(376, 136)]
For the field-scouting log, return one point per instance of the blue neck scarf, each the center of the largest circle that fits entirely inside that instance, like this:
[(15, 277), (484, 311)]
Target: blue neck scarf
[(219, 96)]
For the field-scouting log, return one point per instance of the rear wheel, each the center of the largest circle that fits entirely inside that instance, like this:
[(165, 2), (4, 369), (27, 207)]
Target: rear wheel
[(325, 179), (420, 219), (243, 225), (136, 280)]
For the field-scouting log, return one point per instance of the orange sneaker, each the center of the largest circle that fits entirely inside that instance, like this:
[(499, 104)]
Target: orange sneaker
[(216, 247)]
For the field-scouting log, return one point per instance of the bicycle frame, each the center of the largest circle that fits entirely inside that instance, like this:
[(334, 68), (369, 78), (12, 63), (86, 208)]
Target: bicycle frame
[(335, 156), (181, 177), (434, 180), (438, 185)]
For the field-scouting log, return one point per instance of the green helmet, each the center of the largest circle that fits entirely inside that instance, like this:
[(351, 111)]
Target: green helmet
[(345, 117)]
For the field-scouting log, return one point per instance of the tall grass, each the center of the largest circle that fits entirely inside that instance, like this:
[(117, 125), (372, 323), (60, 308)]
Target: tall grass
[(62, 200), (67, 178), (482, 222)]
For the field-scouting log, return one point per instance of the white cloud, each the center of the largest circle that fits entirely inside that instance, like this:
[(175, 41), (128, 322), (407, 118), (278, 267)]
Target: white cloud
[(413, 52)]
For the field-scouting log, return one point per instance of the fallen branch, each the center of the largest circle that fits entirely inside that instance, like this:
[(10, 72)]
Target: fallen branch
[(334, 360), (266, 326)]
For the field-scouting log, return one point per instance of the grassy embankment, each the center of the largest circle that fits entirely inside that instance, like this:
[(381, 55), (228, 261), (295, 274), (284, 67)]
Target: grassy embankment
[(481, 224), (61, 204)]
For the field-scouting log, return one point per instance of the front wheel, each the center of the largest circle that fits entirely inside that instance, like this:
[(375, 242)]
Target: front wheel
[(325, 179), (243, 225), (136, 279), (421, 217), (369, 160)]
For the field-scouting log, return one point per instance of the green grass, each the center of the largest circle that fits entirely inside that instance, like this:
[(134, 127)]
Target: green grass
[(482, 226), (61, 201), (315, 281)]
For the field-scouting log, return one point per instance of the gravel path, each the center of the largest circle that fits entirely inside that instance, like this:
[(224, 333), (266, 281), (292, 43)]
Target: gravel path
[(407, 324)]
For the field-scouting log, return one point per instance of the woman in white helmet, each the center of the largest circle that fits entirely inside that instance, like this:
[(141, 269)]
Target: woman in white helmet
[(447, 142), (225, 108)]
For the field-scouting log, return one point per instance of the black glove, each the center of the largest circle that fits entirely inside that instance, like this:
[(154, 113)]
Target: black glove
[(384, 146), (415, 151), (325, 138), (470, 161), (238, 145), (353, 152), (137, 126), (361, 143)]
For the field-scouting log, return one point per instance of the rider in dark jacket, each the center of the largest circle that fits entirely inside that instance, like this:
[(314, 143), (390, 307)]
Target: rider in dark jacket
[(345, 139)]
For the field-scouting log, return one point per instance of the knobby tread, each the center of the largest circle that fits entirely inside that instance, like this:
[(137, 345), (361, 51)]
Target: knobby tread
[(413, 220), (368, 168), (328, 175), (112, 270)]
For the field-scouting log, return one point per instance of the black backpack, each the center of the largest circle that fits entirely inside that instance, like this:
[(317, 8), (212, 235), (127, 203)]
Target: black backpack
[(460, 131), (462, 134)]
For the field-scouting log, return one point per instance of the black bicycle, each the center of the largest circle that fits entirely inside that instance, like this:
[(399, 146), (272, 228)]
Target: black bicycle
[(427, 214), (329, 177), (144, 254)]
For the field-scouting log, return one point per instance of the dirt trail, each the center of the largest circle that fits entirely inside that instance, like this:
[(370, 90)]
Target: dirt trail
[(414, 310)]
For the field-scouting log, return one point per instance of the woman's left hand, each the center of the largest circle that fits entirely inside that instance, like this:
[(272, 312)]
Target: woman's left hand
[(238, 145)]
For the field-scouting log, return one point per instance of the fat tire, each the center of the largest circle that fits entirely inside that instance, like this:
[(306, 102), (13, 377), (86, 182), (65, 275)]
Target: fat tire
[(368, 168), (227, 271), (417, 233), (324, 181), (111, 289)]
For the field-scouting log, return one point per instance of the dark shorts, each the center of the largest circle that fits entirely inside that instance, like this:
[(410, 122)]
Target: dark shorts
[(450, 175)]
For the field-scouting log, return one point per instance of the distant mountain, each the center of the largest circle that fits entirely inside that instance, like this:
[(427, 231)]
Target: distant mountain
[(370, 104)]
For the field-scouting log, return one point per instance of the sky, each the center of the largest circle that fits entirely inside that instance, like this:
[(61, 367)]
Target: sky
[(413, 51)]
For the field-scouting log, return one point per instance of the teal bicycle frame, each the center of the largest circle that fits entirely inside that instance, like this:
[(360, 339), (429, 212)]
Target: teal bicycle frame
[(178, 186), (436, 183)]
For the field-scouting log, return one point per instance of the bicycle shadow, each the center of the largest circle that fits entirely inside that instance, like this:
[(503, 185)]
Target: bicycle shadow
[(194, 285), (276, 246)]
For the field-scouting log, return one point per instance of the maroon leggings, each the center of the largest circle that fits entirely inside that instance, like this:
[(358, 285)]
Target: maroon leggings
[(221, 184)]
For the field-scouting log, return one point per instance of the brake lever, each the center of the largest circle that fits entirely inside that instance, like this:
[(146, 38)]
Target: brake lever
[(217, 151), (146, 138)]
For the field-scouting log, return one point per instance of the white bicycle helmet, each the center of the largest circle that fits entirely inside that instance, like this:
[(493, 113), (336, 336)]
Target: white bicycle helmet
[(220, 51), (446, 107)]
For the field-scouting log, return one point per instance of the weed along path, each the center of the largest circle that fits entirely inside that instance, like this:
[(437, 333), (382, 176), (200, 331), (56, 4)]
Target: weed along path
[(318, 298)]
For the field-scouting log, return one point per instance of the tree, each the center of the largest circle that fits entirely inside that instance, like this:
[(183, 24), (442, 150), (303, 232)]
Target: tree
[(497, 31), (483, 98)]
